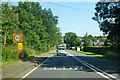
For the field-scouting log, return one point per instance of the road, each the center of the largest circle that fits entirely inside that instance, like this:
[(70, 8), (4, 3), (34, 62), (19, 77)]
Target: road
[(75, 65)]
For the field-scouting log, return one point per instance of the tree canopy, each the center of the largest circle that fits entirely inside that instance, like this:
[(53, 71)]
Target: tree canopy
[(38, 26), (108, 16), (71, 39)]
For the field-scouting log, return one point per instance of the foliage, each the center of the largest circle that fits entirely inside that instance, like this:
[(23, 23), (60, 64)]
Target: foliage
[(86, 40), (71, 39), (100, 38), (89, 39), (89, 53), (9, 54), (38, 26), (110, 55), (108, 16), (98, 50)]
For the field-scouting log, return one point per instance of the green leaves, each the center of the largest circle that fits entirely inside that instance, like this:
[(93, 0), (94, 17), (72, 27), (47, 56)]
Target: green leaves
[(108, 16), (39, 26), (71, 39)]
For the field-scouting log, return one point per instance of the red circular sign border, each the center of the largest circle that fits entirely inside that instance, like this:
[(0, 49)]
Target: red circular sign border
[(20, 38)]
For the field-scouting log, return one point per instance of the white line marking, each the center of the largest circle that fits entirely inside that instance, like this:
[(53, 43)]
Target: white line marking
[(64, 68), (101, 71), (44, 68), (76, 68), (36, 67), (59, 69), (91, 67), (70, 68)]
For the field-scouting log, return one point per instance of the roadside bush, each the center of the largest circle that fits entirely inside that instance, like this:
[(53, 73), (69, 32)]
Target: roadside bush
[(29, 52), (108, 52), (9, 55), (98, 50)]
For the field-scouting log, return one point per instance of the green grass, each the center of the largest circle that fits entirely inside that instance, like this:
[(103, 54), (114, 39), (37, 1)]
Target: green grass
[(109, 55), (13, 56), (89, 53), (7, 63)]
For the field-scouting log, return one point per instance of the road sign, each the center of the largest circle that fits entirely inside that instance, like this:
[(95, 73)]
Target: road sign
[(20, 45), (17, 37)]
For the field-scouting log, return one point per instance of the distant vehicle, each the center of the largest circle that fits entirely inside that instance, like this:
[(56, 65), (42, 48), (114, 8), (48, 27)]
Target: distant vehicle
[(61, 51), (61, 46)]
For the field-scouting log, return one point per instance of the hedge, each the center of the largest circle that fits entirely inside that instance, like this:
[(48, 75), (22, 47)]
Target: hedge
[(98, 50)]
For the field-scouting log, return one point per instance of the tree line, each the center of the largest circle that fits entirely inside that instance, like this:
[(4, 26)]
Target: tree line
[(38, 26), (72, 40)]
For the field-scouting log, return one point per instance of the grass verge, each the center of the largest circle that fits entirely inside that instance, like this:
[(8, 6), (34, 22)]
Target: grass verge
[(89, 53), (109, 55), (11, 56)]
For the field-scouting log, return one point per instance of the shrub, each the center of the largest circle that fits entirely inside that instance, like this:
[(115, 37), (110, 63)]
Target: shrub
[(98, 50), (9, 55)]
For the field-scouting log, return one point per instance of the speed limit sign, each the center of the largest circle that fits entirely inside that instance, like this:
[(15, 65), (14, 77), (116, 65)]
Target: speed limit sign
[(17, 37)]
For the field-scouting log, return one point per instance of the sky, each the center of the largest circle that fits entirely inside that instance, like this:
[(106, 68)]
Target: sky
[(74, 17)]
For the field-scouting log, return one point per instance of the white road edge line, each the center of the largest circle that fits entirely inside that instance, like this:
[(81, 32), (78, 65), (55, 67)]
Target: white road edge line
[(101, 70), (92, 68), (36, 67)]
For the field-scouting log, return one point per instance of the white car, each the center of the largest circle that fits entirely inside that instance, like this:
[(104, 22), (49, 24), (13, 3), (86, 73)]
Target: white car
[(61, 51)]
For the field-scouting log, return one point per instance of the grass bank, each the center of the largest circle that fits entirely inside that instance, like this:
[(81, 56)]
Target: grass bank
[(109, 55), (89, 53), (11, 55)]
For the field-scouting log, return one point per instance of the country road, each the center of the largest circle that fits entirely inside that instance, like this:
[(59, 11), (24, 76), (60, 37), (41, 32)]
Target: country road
[(75, 65)]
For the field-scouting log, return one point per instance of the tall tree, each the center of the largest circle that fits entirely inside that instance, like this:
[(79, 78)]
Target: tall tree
[(9, 21), (71, 39), (108, 16)]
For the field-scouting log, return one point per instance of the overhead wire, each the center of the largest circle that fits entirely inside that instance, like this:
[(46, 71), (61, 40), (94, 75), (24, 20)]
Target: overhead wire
[(70, 7)]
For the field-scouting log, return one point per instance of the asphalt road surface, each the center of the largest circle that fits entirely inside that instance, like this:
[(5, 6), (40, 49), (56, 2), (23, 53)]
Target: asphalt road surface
[(75, 65)]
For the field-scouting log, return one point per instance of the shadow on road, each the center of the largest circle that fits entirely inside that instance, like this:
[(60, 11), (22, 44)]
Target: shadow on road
[(69, 62)]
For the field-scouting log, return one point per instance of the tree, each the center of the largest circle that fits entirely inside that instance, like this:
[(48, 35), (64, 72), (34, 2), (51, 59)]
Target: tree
[(71, 39), (108, 16), (86, 39), (9, 21), (38, 26), (77, 41)]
